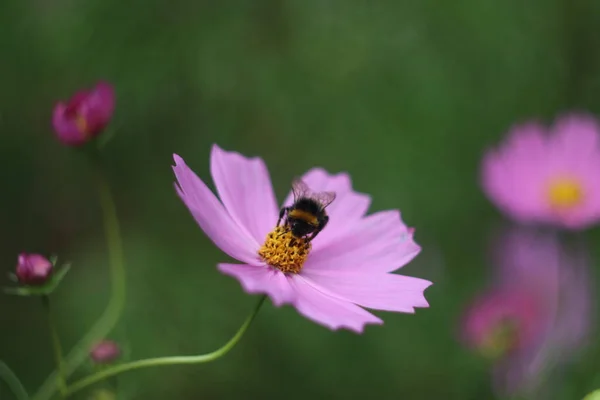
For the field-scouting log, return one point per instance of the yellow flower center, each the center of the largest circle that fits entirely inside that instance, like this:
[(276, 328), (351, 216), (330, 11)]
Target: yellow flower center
[(564, 193), (81, 124), (284, 251), (499, 341)]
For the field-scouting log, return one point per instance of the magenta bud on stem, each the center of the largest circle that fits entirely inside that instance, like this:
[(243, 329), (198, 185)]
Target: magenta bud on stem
[(105, 352), (85, 115), (33, 269)]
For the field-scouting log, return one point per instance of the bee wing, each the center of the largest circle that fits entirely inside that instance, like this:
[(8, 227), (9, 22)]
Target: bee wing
[(324, 198), (300, 189)]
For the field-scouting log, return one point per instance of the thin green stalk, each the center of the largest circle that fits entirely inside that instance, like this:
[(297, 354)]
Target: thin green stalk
[(13, 382), (58, 357), (158, 361), (113, 311)]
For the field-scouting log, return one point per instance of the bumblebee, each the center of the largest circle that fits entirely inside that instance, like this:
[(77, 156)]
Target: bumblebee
[(306, 217)]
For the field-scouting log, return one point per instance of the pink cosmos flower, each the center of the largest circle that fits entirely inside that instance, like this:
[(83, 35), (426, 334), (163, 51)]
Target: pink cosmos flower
[(548, 176), (347, 266), (503, 321), (536, 314), (85, 115), (33, 269)]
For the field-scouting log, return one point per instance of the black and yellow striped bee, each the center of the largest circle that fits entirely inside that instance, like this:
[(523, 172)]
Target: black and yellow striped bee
[(306, 217)]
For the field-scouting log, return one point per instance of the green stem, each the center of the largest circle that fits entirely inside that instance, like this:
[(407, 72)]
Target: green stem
[(113, 311), (158, 361), (60, 377), (13, 382)]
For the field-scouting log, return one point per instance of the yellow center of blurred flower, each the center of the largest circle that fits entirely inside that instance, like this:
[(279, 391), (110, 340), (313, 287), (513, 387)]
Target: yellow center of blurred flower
[(284, 251), (499, 341), (81, 124), (564, 193)]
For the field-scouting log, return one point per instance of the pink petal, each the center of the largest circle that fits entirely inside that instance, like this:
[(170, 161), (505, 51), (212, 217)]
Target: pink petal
[(66, 129), (377, 243), (576, 136), (576, 153), (513, 177), (381, 291), (527, 141), (99, 106), (329, 311), (76, 101), (261, 279), (528, 259), (244, 187), (212, 216), (537, 263), (517, 373), (574, 323), (496, 306), (348, 206)]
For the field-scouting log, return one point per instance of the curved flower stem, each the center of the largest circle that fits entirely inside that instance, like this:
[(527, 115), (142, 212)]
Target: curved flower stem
[(13, 382), (60, 378), (158, 361), (113, 311)]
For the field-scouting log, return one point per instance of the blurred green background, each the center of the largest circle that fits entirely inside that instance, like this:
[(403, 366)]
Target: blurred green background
[(404, 95)]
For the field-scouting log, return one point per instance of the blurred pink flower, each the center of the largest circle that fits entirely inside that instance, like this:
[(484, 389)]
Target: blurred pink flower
[(33, 269), (105, 352), (536, 314), (85, 115), (503, 321), (348, 265), (549, 176)]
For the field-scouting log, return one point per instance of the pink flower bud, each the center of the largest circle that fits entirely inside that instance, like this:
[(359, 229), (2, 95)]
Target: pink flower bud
[(33, 269), (105, 352), (85, 115)]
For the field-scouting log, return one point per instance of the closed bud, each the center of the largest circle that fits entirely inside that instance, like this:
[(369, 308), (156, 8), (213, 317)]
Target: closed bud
[(33, 269), (85, 115), (105, 352)]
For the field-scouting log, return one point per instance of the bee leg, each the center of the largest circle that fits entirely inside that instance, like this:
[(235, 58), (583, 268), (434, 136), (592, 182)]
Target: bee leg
[(322, 224), (314, 234), (282, 213)]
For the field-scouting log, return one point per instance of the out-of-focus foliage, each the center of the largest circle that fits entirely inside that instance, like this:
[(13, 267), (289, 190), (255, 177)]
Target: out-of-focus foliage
[(404, 95), (593, 396)]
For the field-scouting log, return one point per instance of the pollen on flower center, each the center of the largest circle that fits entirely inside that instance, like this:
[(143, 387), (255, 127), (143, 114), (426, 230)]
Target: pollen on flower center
[(564, 193), (284, 251)]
